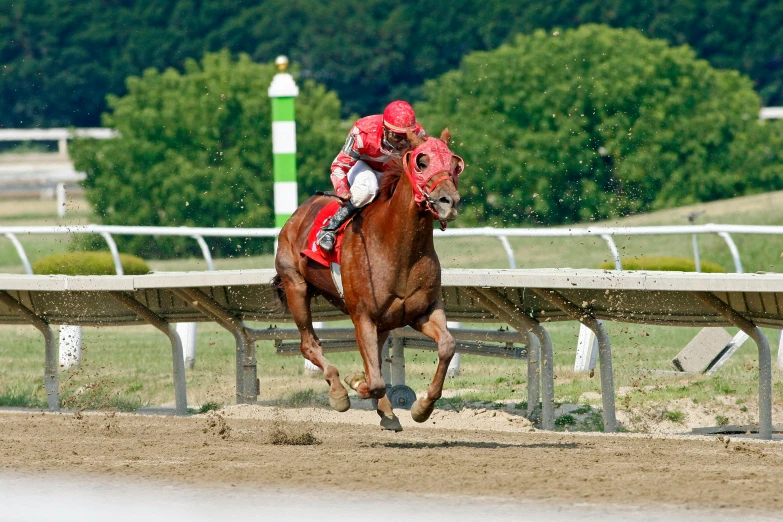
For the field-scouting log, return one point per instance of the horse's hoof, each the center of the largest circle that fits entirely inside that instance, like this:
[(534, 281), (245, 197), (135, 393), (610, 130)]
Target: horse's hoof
[(341, 404), (391, 423), (419, 413), (355, 379)]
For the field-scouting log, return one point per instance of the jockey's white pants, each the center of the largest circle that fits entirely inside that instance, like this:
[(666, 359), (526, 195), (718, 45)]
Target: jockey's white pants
[(363, 181)]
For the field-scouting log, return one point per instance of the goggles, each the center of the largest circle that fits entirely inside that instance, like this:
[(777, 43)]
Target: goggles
[(397, 141)]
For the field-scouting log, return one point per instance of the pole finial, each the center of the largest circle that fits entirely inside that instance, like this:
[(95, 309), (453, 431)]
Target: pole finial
[(281, 62)]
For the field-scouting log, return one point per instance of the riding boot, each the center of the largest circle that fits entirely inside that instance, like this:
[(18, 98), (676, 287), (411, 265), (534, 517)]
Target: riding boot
[(328, 234)]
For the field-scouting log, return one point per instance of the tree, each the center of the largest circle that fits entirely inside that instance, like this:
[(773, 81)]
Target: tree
[(195, 149), (598, 122), (58, 59)]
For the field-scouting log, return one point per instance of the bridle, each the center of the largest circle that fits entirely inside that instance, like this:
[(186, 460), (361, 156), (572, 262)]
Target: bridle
[(425, 180)]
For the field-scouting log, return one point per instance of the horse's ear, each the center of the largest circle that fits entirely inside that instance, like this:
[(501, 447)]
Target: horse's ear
[(406, 160), (414, 139), (445, 136)]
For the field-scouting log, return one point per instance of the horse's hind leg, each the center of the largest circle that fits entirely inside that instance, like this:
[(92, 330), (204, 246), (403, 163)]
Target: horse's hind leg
[(433, 325), (298, 295)]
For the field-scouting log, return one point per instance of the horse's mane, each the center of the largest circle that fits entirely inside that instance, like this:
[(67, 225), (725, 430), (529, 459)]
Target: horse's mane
[(391, 176)]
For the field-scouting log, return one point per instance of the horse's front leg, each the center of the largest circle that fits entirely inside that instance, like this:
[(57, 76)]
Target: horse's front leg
[(371, 383), (433, 325), (359, 381), (299, 297)]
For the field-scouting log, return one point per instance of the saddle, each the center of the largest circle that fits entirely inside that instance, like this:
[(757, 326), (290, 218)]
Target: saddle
[(315, 252)]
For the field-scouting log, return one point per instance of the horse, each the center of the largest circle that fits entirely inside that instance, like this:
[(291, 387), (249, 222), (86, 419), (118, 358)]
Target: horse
[(390, 272)]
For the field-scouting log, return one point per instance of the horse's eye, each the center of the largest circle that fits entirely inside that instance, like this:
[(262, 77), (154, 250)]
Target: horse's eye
[(422, 161)]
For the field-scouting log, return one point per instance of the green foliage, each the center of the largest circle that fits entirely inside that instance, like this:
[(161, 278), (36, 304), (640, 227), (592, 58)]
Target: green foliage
[(195, 150), (88, 263), (209, 406), (565, 420), (582, 410), (595, 123), (674, 416), (665, 263), (58, 60)]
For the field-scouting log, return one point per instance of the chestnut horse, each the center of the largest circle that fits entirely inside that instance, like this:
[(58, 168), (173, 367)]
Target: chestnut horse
[(390, 272)]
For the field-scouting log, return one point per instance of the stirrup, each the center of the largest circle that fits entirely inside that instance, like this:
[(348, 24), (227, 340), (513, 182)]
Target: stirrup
[(327, 237), (325, 240)]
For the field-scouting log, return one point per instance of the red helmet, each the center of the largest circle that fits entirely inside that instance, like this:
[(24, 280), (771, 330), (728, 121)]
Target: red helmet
[(399, 117)]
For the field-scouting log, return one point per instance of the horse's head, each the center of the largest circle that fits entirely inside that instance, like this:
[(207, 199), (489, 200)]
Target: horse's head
[(434, 171)]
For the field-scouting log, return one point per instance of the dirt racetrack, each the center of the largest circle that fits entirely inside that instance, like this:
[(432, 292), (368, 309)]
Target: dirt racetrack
[(266, 447)]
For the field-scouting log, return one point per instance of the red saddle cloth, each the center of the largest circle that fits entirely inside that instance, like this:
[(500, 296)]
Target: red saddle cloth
[(315, 252)]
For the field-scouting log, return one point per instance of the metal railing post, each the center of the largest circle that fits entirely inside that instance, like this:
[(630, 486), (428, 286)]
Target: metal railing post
[(20, 251), (733, 249), (204, 251), (51, 368), (613, 249), (765, 357), (780, 350), (512, 262), (696, 259), (115, 254)]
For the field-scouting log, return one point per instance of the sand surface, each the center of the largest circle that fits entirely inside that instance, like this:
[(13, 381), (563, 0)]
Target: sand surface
[(465, 454)]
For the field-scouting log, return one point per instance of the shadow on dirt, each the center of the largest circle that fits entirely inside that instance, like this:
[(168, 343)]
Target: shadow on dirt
[(471, 444)]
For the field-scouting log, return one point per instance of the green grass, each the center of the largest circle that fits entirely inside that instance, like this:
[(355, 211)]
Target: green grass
[(299, 398), (21, 395), (665, 263), (674, 416), (126, 368)]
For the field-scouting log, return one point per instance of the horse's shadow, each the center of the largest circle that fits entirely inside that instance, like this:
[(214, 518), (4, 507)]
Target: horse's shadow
[(474, 445)]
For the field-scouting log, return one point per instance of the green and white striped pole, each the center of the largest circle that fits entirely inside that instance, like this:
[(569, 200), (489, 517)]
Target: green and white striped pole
[(282, 91)]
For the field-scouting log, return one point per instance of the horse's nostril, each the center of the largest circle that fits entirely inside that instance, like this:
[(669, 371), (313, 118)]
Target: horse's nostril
[(446, 200)]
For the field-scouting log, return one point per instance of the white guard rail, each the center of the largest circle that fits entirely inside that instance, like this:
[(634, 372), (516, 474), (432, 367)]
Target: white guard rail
[(502, 234)]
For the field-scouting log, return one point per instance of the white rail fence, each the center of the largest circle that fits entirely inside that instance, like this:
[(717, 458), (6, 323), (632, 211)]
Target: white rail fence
[(586, 348), (61, 136), (501, 234), (47, 172)]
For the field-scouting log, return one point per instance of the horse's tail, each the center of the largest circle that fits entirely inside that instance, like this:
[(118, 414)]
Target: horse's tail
[(277, 286)]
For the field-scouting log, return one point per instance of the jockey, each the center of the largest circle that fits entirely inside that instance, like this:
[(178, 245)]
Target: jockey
[(357, 169)]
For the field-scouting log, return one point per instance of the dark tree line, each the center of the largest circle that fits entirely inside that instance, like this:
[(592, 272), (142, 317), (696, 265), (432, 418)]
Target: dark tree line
[(59, 60)]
